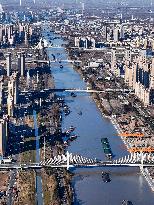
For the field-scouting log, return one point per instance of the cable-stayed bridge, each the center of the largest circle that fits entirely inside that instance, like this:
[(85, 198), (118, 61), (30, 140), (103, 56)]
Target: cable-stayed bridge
[(69, 160)]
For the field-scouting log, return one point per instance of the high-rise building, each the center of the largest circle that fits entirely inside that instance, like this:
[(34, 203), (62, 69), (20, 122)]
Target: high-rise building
[(116, 35), (8, 64), (83, 8), (3, 136), (21, 63), (122, 32), (152, 45), (22, 72), (1, 9), (77, 42), (10, 101), (1, 33), (1, 94), (10, 31), (26, 38), (139, 75), (12, 94), (28, 78), (13, 88), (15, 91), (105, 34), (113, 60), (10, 105)]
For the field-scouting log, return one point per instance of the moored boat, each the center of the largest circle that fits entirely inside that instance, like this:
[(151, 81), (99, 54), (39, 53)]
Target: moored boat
[(73, 137), (126, 202), (72, 128), (80, 113), (73, 94), (67, 112)]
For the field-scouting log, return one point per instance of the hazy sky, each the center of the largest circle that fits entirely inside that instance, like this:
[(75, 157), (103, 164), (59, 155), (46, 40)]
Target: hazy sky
[(92, 2)]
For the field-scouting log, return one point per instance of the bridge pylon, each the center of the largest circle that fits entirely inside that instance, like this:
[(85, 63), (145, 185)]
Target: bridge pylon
[(142, 162), (68, 160)]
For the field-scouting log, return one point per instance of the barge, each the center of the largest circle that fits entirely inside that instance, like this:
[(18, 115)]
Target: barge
[(106, 148)]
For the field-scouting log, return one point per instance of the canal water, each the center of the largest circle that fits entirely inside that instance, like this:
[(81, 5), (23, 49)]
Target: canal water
[(38, 179), (91, 126)]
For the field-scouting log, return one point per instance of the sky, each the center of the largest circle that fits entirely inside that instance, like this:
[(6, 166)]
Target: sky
[(91, 2)]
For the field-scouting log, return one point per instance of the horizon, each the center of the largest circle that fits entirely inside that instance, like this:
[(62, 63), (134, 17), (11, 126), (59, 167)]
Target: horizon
[(87, 2)]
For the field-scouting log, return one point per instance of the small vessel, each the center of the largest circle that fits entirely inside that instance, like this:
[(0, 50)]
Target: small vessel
[(106, 177), (65, 106), (65, 143), (60, 100), (126, 202), (60, 117), (68, 132), (61, 66), (73, 94), (80, 113), (72, 128), (73, 137), (67, 112)]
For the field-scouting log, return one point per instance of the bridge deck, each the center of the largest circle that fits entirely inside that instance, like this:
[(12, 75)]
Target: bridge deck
[(38, 166)]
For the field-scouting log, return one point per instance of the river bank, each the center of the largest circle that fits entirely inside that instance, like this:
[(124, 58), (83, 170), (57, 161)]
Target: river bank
[(56, 183), (129, 143), (41, 123), (91, 126)]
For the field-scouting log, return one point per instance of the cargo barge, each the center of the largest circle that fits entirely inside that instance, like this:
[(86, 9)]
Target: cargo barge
[(106, 148)]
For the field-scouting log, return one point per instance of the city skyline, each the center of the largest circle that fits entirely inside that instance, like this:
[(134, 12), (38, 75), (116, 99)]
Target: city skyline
[(93, 2), (76, 102)]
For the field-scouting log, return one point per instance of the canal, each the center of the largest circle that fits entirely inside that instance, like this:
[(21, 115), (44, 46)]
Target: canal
[(91, 126), (38, 178)]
